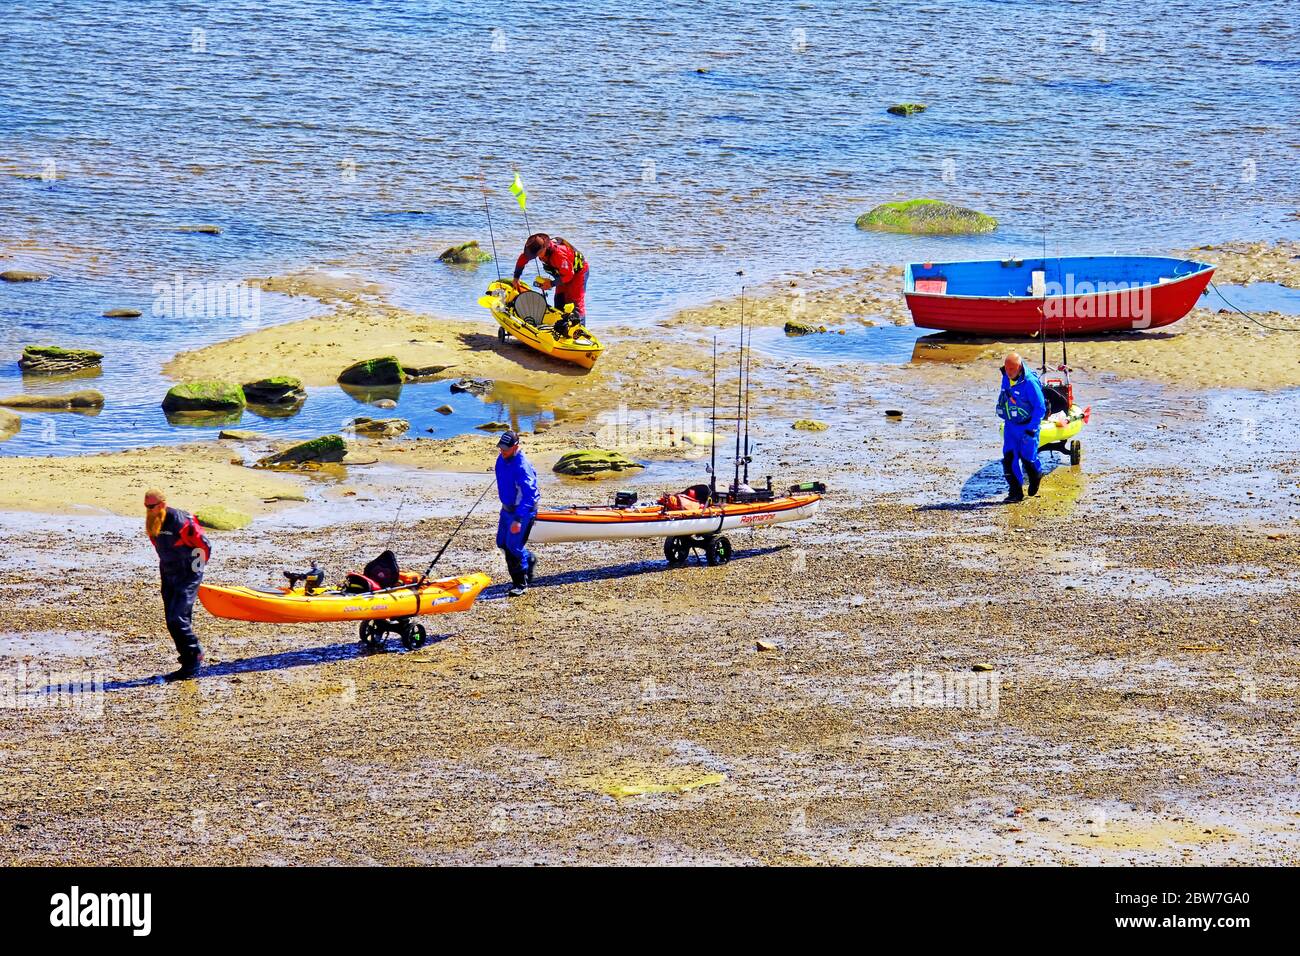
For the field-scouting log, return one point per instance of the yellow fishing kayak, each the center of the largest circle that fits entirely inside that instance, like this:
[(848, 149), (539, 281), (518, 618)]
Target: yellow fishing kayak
[(530, 318), (1058, 431), (1051, 432), (298, 606)]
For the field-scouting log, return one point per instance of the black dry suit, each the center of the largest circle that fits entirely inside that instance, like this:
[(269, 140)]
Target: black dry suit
[(183, 552)]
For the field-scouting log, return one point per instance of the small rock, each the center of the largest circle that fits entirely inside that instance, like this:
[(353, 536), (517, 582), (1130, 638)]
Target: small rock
[(493, 427), (327, 448), (473, 386), (206, 230), (19, 275), (466, 254), (926, 216), (123, 314), (69, 400), (905, 109), (444, 410), (380, 427), (376, 371), (10, 424), (810, 425), (894, 413), (764, 646), (53, 360), (424, 371), (276, 390), (803, 328), (234, 434), (385, 403), (595, 461), (204, 396), (982, 667)]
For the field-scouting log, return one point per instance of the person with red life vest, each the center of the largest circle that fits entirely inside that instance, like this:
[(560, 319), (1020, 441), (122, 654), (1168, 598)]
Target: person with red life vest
[(183, 552), (568, 270)]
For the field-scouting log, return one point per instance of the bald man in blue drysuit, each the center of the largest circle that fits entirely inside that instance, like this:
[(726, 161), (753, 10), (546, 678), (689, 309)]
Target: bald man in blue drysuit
[(1021, 407), (517, 489)]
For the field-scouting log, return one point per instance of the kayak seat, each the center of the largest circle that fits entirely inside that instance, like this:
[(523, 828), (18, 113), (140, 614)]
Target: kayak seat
[(379, 574), (1056, 399), (701, 493), (356, 583), (530, 306)]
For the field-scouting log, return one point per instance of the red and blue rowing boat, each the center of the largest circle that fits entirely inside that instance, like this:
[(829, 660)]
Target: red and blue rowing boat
[(1071, 295)]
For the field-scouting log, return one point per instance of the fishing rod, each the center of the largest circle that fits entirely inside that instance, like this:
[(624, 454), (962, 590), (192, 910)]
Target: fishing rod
[(392, 529), (749, 362), (496, 261), (438, 556), (740, 381), (528, 226), (713, 425)]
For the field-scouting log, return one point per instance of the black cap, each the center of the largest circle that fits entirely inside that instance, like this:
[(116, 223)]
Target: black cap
[(508, 440)]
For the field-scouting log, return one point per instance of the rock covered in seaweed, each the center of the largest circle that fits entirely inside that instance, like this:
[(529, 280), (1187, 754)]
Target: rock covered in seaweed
[(376, 371), (593, 461), (54, 360), (327, 448), (465, 254), (276, 390), (207, 395), (926, 217)]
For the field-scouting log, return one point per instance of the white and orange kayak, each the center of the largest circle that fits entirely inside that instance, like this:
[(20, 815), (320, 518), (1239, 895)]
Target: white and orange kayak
[(607, 523), (298, 606)]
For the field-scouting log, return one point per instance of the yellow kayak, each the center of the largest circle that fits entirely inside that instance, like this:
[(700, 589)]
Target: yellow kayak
[(1051, 432), (296, 605), (530, 318)]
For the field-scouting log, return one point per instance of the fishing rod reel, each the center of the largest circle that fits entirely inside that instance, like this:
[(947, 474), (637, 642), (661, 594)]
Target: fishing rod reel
[(311, 580)]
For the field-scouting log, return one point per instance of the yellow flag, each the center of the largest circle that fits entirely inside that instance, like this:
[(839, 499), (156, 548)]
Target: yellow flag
[(521, 197)]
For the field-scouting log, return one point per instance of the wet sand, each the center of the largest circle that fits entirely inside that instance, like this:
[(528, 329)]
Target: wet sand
[(1137, 616), (192, 475)]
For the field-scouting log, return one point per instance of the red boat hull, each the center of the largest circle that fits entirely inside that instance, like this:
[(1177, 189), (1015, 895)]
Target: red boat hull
[(1149, 307)]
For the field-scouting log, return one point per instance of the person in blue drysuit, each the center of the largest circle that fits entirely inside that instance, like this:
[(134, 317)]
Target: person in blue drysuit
[(1021, 407), (517, 489)]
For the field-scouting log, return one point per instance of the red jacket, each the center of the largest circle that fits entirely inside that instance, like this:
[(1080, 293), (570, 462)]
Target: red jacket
[(559, 258)]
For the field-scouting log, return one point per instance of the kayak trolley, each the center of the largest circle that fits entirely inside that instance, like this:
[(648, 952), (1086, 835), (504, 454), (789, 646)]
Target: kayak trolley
[(678, 549), (374, 632)]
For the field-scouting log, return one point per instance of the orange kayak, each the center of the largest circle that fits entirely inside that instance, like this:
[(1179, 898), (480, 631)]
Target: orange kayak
[(296, 606)]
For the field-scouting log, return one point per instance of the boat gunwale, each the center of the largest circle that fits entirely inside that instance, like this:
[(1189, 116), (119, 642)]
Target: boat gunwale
[(566, 516), (909, 280), (413, 586)]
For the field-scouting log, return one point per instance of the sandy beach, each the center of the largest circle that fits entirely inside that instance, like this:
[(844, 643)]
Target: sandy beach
[(1129, 634)]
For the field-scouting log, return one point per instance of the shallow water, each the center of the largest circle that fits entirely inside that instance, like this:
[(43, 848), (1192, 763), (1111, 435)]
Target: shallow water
[(1258, 297), (126, 424), (695, 139), (890, 344)]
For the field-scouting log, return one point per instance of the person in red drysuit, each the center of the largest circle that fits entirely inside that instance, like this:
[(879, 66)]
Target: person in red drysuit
[(567, 267)]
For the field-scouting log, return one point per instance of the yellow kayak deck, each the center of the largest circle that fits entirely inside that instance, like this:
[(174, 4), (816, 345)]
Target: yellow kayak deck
[(579, 346)]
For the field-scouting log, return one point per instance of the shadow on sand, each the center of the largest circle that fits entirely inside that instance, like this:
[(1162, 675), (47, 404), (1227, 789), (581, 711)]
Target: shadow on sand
[(986, 488), (332, 653), (520, 354)]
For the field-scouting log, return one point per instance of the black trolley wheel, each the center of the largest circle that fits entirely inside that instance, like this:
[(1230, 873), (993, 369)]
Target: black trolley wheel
[(502, 335), (1076, 452), (677, 550), (371, 634), (413, 636), (717, 550)]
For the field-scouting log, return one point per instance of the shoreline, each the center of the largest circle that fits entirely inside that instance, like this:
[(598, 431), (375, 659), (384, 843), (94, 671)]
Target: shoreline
[(1125, 612)]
